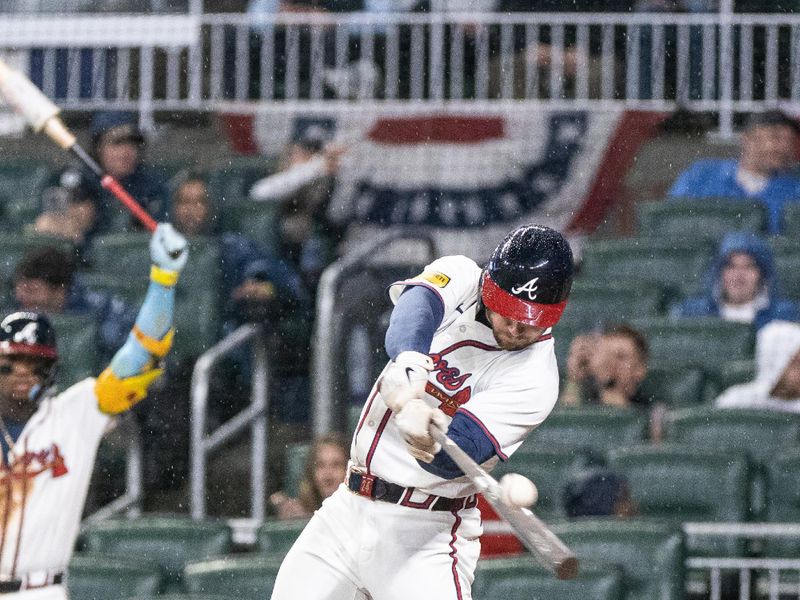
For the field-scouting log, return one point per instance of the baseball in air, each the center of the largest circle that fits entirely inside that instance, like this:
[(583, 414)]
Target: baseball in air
[(518, 490)]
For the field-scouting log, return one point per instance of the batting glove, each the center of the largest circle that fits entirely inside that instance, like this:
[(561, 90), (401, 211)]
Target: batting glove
[(405, 378), (168, 248), (414, 422)]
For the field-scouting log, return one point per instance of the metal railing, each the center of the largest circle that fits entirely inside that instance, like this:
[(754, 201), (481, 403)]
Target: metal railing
[(326, 341), (712, 62), (255, 417), (130, 501)]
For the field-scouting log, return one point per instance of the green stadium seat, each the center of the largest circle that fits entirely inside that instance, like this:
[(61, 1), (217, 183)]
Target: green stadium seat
[(672, 265), (699, 221), (296, 455), (97, 577), (183, 597), (170, 542), (791, 220), (787, 269), (21, 185), (680, 483), (549, 469), (244, 578), (702, 342), (130, 289), (651, 554), (76, 338), (733, 372), (675, 387), (519, 578), (276, 536), (122, 253), (783, 500), (256, 220), (230, 182), (596, 428), (593, 303)]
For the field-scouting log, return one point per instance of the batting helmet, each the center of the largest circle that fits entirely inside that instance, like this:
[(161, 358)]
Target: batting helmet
[(31, 334), (529, 276)]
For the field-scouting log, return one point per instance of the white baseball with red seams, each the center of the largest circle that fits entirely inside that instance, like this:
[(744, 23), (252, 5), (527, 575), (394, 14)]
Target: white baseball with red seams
[(507, 393), (43, 485)]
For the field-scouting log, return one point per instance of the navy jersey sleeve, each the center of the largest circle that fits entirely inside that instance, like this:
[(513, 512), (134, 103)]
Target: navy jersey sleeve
[(470, 437)]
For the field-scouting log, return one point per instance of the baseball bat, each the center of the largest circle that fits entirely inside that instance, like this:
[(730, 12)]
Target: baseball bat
[(42, 115), (545, 546)]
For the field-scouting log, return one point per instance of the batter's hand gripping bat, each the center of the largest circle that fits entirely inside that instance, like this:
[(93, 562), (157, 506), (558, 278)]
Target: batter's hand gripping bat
[(546, 548), (42, 115)]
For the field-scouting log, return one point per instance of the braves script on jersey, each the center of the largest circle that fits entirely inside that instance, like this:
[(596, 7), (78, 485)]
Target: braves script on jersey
[(44, 480), (507, 393)]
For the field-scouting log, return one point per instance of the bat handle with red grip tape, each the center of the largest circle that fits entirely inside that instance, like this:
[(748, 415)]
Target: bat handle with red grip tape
[(113, 186)]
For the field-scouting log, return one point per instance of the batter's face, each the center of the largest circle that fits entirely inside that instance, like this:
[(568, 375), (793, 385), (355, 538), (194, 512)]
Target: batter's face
[(510, 334), (329, 469), (18, 375)]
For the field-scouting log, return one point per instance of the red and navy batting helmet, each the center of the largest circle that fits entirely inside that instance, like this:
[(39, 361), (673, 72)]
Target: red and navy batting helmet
[(529, 276), (28, 334)]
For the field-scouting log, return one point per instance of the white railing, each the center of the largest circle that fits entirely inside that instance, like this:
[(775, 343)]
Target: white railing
[(724, 63)]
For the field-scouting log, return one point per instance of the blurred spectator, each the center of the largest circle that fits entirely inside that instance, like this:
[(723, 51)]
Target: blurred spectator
[(607, 368), (68, 211), (324, 471), (777, 382), (302, 188), (599, 492), (45, 280), (118, 146), (741, 285), (766, 170)]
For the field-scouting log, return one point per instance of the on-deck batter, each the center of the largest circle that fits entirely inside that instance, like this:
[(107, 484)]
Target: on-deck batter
[(472, 353), (49, 442)]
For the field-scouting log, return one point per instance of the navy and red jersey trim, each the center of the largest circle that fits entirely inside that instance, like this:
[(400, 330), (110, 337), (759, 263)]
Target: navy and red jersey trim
[(376, 439), (428, 286), (485, 431)]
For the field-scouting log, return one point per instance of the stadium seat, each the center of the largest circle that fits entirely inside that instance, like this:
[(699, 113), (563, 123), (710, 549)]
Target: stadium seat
[(705, 221), (519, 578), (170, 542), (130, 289), (670, 264), (230, 182), (183, 597), (243, 577), (791, 220), (295, 462), (675, 387), (733, 372), (256, 220), (549, 469), (593, 303), (783, 500), (93, 577), (679, 483), (787, 268), (704, 342), (651, 554), (76, 338), (596, 428), (21, 185), (275, 536)]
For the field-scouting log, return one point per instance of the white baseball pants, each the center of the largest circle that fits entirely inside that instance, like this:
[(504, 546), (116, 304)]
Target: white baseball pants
[(355, 548), (50, 592)]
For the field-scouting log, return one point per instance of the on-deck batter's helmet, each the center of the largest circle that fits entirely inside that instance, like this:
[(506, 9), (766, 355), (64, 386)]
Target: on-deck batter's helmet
[(529, 276), (31, 334)]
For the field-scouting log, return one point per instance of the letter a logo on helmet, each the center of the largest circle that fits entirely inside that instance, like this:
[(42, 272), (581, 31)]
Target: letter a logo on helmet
[(529, 276)]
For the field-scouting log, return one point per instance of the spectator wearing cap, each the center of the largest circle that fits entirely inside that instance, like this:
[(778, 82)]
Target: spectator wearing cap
[(741, 285), (118, 146), (777, 382), (598, 492), (766, 169), (302, 189)]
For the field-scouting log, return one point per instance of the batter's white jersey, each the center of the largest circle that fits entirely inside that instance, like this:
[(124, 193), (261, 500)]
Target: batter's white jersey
[(507, 393), (44, 480)]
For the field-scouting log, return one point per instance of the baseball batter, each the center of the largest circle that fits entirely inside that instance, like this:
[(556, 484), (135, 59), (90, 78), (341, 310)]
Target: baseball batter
[(49, 441), (472, 353)]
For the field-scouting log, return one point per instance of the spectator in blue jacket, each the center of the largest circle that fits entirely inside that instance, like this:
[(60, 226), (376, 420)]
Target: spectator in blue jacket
[(765, 171), (118, 146), (741, 285)]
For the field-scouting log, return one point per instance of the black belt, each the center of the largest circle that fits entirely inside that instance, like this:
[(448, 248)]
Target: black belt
[(10, 586), (376, 488)]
